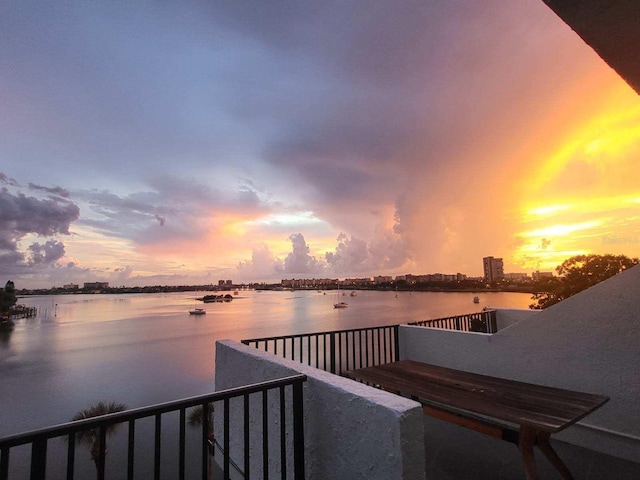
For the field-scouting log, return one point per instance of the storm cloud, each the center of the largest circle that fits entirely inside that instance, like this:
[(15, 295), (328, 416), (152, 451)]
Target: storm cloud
[(50, 252), (264, 138), (300, 261), (22, 215)]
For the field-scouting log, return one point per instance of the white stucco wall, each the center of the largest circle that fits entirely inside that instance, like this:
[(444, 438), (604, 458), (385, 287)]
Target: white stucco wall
[(505, 317), (352, 431), (589, 342)]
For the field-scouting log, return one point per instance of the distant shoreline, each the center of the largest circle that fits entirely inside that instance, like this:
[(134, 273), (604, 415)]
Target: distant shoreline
[(201, 289)]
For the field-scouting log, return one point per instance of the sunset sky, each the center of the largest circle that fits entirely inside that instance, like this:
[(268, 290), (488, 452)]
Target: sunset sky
[(182, 142)]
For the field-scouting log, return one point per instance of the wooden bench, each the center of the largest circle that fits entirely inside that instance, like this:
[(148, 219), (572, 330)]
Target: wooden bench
[(523, 413)]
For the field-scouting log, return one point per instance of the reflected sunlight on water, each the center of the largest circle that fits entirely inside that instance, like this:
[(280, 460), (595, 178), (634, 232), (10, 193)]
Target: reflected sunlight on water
[(145, 348)]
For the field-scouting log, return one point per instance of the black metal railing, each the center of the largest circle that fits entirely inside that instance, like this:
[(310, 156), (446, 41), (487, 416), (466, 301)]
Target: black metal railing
[(484, 322), (336, 351), (220, 401)]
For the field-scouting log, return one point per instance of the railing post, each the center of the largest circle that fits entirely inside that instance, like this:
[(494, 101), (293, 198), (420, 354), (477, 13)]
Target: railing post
[(103, 452), (205, 441), (298, 431), (493, 321), (4, 464), (71, 456), (227, 441), (99, 425), (332, 353), (157, 447), (396, 342), (39, 459)]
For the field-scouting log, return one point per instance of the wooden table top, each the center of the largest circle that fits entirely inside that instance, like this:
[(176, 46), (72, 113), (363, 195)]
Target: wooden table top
[(543, 408)]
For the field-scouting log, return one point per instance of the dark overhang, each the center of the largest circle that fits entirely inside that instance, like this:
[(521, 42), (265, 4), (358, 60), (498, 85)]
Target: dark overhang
[(611, 28)]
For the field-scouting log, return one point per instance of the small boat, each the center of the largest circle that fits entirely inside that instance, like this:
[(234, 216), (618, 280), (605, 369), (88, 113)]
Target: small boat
[(338, 304), (198, 311), (476, 299), (353, 294)]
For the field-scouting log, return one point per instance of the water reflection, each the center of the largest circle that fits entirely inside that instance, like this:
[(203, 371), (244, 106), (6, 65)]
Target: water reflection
[(144, 349), (5, 335)]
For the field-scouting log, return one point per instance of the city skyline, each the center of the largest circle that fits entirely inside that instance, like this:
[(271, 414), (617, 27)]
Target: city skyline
[(181, 143)]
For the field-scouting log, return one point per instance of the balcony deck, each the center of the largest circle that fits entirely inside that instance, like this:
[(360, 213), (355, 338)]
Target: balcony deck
[(456, 453), (452, 452)]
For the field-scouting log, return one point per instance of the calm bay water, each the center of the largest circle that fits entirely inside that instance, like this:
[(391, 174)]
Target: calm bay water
[(144, 349)]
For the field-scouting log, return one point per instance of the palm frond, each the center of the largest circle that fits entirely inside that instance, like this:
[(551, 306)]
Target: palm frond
[(97, 410), (194, 419)]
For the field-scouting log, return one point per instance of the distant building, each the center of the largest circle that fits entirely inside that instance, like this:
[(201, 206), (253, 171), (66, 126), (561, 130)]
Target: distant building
[(71, 286), (95, 285), (357, 282), (539, 275), (308, 282), (516, 276), (431, 277), (493, 269), (382, 279)]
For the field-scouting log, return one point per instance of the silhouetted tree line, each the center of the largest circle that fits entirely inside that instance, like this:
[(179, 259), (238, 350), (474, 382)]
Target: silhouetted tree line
[(7, 298), (577, 274)]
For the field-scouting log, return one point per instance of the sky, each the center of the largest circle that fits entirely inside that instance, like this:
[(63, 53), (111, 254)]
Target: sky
[(183, 142)]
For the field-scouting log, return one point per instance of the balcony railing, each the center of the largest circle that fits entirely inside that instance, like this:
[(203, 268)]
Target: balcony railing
[(341, 350), (484, 322), (38, 440), (336, 351)]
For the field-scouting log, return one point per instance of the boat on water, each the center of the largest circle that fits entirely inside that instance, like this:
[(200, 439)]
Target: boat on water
[(353, 294), (338, 304), (198, 311), (476, 299)]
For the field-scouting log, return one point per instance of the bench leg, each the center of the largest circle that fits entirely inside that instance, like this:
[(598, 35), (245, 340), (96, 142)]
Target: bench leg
[(526, 439), (552, 456)]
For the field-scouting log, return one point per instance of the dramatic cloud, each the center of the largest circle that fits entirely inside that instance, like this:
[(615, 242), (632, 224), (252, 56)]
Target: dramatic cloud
[(7, 181), (299, 261), (46, 254), (189, 139), (21, 216), (122, 275), (385, 251), (350, 255), (264, 265), (61, 192)]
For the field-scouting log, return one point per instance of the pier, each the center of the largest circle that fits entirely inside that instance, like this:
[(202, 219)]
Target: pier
[(20, 311)]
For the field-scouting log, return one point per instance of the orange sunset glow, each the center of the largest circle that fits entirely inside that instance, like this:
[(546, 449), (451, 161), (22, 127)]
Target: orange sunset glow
[(467, 133), (589, 187)]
